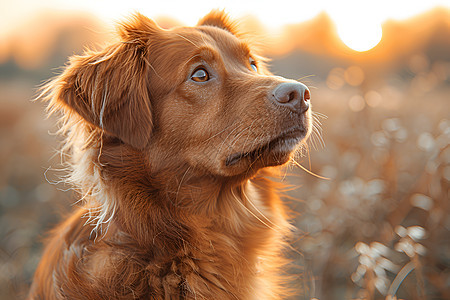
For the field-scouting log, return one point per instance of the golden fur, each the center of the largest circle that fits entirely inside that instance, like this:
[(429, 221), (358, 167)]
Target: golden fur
[(172, 168)]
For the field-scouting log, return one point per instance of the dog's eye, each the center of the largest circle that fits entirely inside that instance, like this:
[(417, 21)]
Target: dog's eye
[(253, 65), (200, 75)]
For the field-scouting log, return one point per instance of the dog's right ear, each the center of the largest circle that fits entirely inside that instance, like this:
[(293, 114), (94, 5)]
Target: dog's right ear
[(218, 18), (110, 88)]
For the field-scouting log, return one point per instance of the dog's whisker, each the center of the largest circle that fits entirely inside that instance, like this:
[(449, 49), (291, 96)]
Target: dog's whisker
[(308, 154), (151, 67), (316, 134), (248, 200), (315, 144), (323, 116), (225, 140), (242, 132), (308, 171), (203, 39), (316, 118), (185, 38), (180, 184), (216, 134), (304, 77), (250, 212), (189, 60)]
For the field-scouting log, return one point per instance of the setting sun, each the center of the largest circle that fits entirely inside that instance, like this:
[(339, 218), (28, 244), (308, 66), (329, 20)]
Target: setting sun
[(360, 38)]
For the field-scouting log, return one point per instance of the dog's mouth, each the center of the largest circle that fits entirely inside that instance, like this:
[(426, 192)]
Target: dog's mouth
[(282, 144)]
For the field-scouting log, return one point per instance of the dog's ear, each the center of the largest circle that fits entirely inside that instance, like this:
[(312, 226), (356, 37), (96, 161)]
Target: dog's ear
[(218, 18), (109, 88)]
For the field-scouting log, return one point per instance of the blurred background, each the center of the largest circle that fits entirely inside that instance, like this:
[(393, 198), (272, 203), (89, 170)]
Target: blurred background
[(379, 73)]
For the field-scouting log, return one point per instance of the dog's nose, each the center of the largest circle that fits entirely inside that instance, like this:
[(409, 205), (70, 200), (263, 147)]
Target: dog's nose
[(294, 95)]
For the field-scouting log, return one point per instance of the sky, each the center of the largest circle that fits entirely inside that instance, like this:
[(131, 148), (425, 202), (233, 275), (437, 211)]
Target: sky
[(358, 22)]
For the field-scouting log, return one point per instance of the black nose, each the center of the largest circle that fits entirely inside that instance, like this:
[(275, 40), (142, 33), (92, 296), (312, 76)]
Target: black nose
[(293, 95)]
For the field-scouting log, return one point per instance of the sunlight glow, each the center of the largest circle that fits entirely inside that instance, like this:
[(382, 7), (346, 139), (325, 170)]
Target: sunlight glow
[(358, 23)]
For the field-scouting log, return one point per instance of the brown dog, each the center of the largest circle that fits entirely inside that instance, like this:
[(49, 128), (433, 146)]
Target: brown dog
[(169, 134)]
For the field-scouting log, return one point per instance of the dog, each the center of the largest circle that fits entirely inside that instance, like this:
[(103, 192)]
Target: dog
[(172, 136)]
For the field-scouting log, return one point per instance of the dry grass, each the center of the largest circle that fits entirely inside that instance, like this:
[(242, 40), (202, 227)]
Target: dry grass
[(379, 227)]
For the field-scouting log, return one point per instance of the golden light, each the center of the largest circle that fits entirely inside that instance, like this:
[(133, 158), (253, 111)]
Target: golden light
[(358, 23)]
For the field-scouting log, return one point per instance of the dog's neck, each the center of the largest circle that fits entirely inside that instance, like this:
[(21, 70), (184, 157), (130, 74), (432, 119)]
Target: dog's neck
[(151, 206)]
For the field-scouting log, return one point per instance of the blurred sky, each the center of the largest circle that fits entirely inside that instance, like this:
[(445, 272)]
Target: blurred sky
[(358, 22)]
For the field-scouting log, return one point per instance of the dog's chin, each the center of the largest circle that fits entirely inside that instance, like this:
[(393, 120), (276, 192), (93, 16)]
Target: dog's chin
[(276, 151)]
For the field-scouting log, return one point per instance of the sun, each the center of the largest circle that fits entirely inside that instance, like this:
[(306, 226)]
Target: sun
[(360, 36)]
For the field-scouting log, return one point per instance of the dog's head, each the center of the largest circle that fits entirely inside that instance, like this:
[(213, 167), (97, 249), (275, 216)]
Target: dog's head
[(192, 96)]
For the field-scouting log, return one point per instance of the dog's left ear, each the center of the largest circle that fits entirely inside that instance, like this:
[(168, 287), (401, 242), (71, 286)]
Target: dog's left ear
[(218, 18)]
